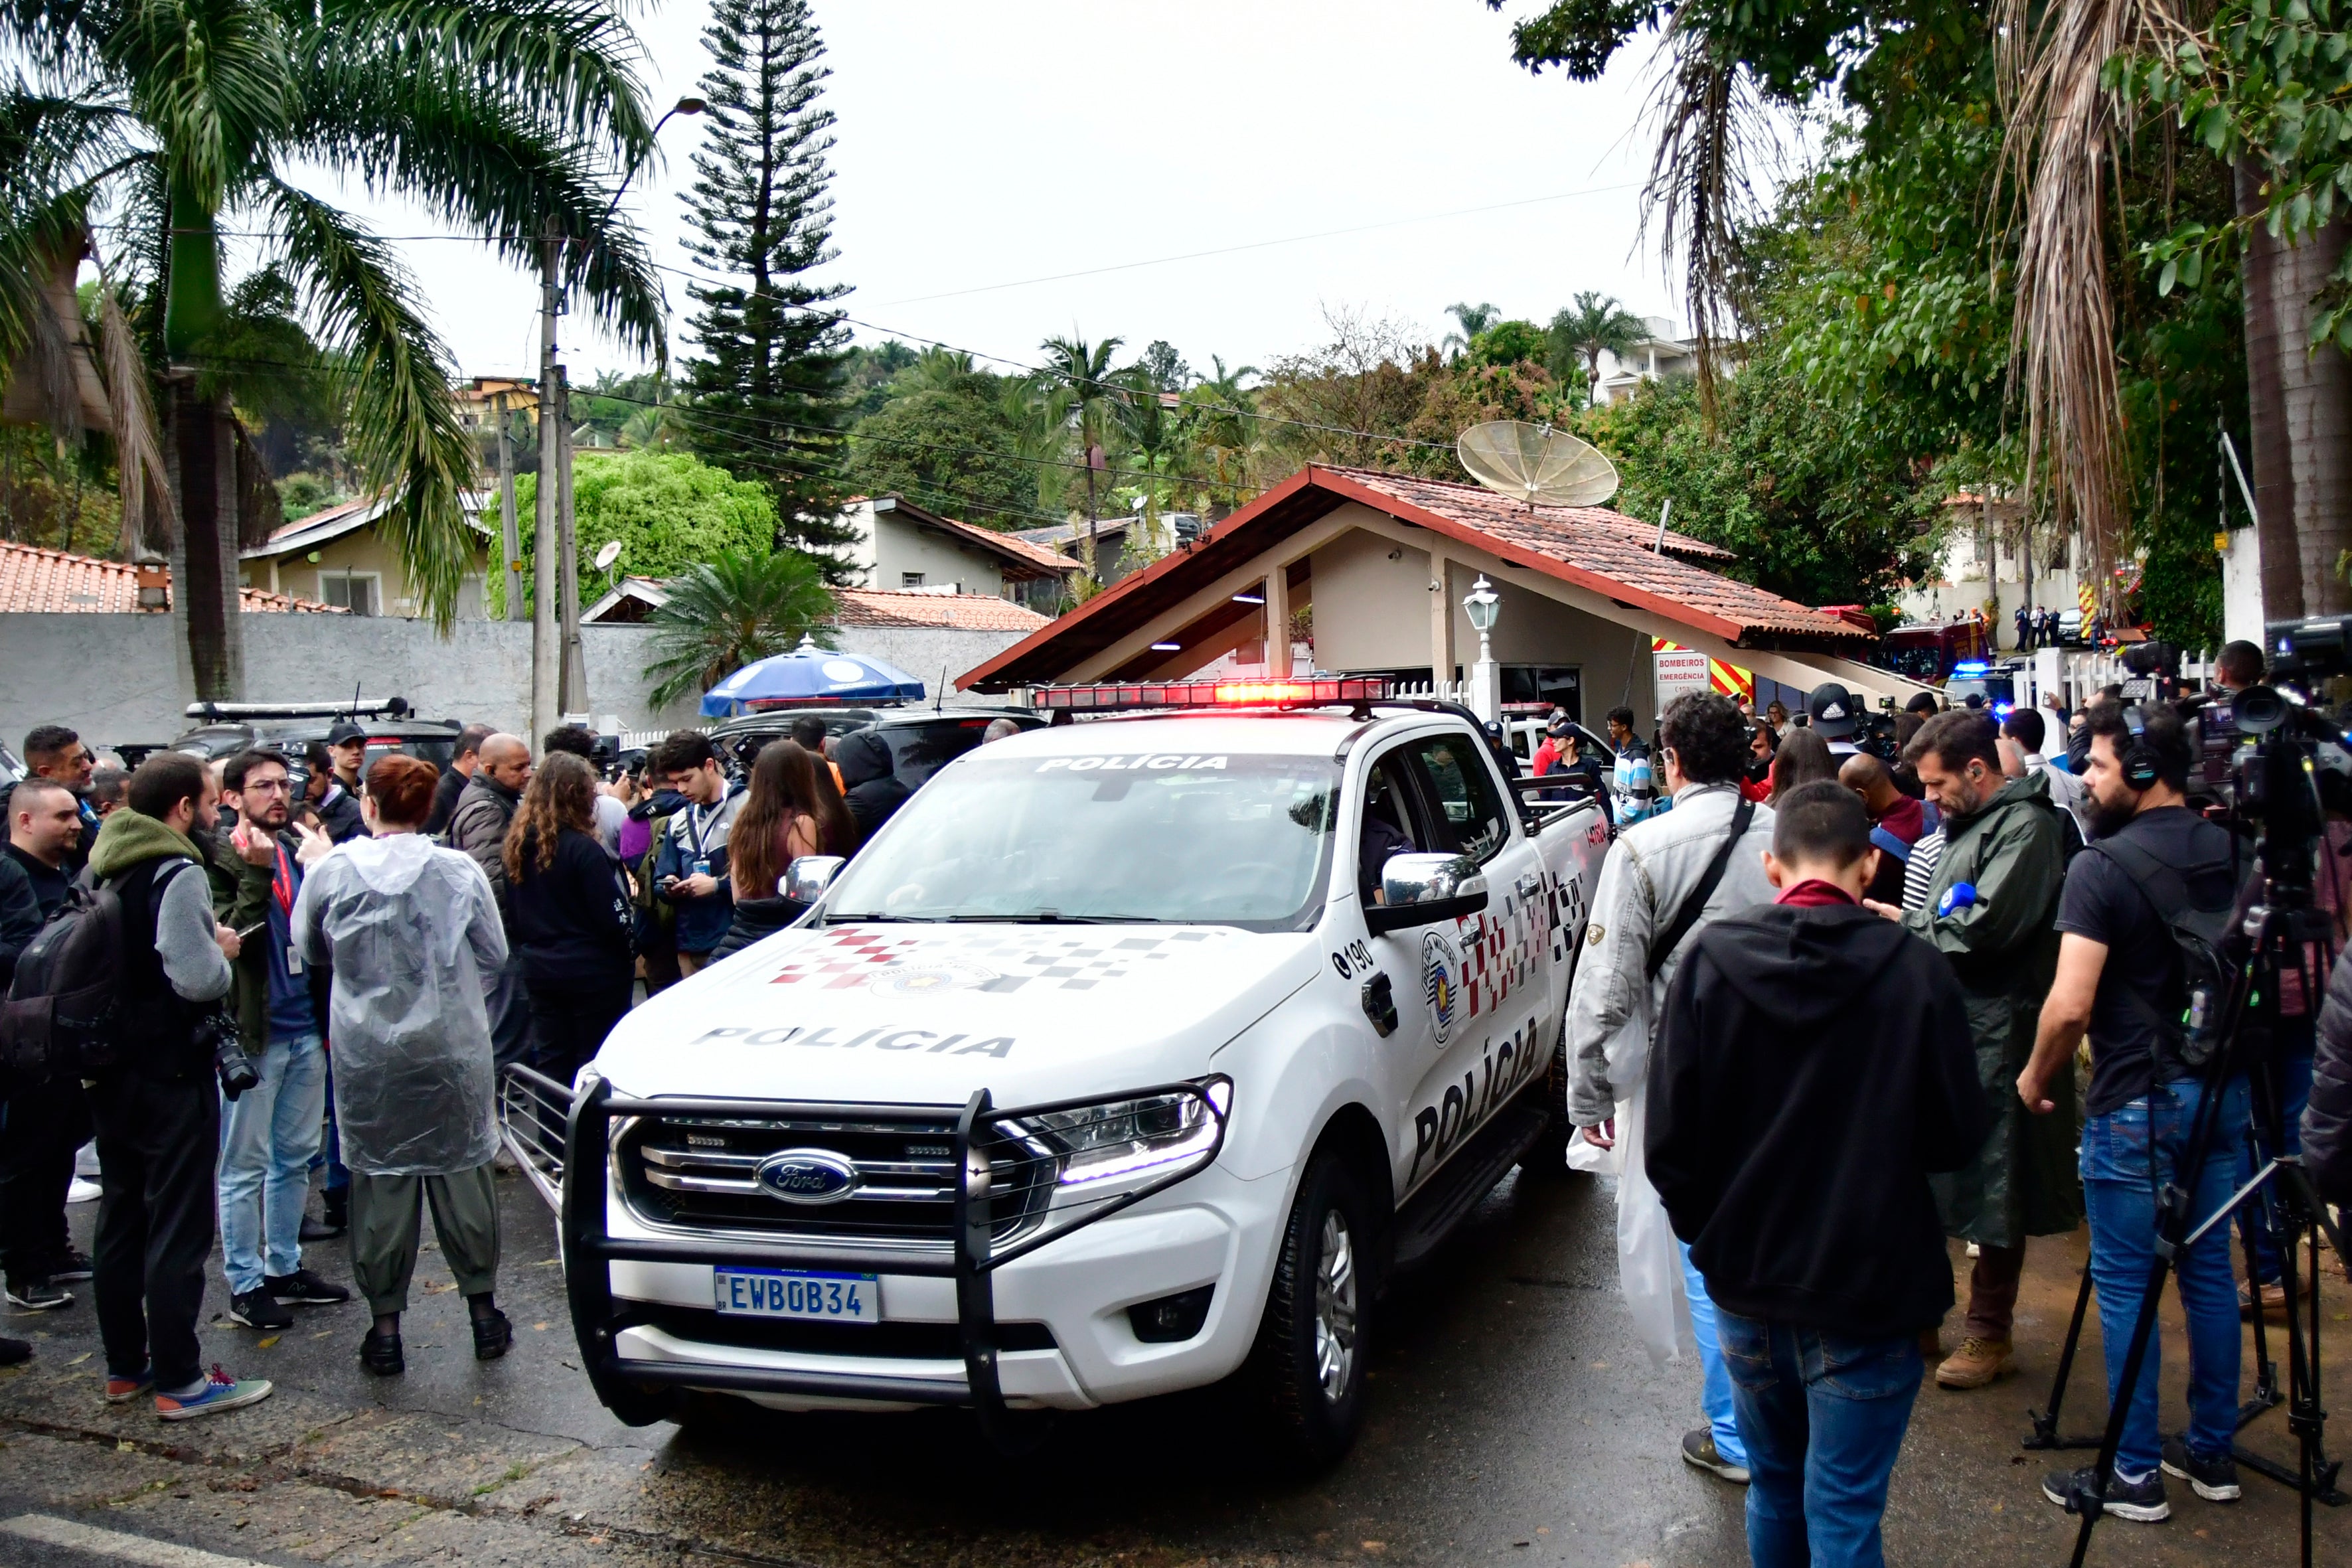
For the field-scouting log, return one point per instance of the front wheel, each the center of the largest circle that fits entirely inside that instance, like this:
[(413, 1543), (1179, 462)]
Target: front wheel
[(1309, 1361)]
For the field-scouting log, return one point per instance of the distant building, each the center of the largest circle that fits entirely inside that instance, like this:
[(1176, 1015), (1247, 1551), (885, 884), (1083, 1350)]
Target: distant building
[(902, 547), (36, 582), (1117, 543), (477, 400), (1662, 353), (1980, 568), (337, 557)]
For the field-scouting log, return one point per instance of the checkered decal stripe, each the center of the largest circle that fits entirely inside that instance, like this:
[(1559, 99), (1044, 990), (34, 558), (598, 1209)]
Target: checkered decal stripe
[(1499, 953), (855, 955)]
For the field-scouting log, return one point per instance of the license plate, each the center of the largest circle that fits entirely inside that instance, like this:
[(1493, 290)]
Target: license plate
[(790, 1293)]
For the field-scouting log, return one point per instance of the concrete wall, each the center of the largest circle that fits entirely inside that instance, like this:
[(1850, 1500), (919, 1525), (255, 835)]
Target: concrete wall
[(1372, 613), (114, 676)]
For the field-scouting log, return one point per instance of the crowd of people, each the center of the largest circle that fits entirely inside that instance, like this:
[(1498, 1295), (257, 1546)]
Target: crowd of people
[(1912, 954), (325, 962)]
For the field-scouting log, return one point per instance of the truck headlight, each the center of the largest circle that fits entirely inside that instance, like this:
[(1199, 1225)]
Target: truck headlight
[(1151, 1137)]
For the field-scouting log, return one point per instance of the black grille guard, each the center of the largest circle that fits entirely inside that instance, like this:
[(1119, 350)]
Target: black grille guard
[(584, 1231)]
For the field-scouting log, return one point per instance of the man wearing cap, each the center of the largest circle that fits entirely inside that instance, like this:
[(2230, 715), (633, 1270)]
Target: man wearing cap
[(347, 744), (1835, 715)]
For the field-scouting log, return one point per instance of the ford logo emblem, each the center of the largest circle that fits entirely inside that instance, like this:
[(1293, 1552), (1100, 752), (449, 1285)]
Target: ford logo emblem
[(807, 1176)]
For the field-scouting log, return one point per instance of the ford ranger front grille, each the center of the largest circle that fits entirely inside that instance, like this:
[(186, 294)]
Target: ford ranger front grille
[(704, 1174)]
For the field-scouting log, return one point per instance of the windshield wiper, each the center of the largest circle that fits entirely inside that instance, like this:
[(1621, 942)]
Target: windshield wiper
[(1053, 918), (834, 920)]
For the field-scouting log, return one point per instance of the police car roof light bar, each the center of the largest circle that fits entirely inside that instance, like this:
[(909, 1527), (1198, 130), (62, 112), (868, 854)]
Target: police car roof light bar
[(1114, 697)]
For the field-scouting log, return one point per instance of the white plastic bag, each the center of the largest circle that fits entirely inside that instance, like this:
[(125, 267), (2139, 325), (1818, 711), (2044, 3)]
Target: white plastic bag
[(1649, 1263)]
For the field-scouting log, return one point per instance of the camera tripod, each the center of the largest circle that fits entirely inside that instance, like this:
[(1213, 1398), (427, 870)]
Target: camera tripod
[(2279, 935)]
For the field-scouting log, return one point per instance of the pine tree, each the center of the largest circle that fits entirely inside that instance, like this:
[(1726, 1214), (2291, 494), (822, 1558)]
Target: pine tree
[(769, 380)]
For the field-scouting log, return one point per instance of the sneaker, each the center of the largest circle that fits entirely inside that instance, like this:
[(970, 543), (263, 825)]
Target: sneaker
[(1699, 1450), (70, 1265), (221, 1391), (316, 1230), (12, 1351), (81, 1189), (2214, 1479), (1976, 1364), (123, 1389), (36, 1295), (2142, 1502), (258, 1309), (304, 1289)]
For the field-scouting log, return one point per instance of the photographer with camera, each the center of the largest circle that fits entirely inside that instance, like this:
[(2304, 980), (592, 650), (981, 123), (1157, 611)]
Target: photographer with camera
[(1988, 907), (270, 1132), (2121, 976), (158, 1111)]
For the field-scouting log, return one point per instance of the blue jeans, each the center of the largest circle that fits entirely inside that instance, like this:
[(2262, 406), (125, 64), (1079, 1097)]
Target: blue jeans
[(1715, 1388), (2260, 1219), (269, 1135), (1825, 1416), (2118, 1192)]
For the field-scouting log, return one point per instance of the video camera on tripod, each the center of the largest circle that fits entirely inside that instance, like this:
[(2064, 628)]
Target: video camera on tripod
[(2274, 765)]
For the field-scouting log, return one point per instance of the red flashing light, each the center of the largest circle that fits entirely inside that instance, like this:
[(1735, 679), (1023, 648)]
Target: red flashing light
[(1122, 696)]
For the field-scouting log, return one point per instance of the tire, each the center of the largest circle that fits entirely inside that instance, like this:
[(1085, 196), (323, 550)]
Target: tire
[(1308, 1368), (1547, 1158)]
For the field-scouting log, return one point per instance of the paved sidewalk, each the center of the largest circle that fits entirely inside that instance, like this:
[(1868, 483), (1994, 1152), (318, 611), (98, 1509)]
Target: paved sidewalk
[(1515, 1421)]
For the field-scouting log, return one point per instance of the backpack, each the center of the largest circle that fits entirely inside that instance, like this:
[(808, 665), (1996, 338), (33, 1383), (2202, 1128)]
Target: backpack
[(2201, 939), (63, 1017)]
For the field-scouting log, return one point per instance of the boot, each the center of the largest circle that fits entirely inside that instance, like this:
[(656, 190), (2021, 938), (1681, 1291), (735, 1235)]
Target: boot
[(1976, 1364)]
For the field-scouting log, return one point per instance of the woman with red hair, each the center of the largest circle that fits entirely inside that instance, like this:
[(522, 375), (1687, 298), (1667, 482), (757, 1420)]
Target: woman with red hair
[(413, 932)]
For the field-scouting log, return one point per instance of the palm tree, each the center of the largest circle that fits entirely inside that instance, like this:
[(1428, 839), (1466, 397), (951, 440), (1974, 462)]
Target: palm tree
[(1473, 320), (1155, 432), (1594, 325), (726, 613), (1085, 369), (1037, 412), (1222, 430), (178, 121)]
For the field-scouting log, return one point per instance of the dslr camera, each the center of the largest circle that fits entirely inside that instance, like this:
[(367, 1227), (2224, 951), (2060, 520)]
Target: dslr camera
[(216, 1037)]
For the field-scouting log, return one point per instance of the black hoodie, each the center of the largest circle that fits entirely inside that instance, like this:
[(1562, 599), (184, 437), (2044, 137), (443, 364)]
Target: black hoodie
[(1812, 1067), (873, 790)]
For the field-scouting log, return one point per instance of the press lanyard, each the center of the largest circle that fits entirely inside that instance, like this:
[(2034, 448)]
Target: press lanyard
[(281, 882)]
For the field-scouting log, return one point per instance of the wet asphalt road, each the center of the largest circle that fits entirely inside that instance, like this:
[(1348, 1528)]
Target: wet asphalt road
[(1514, 1420)]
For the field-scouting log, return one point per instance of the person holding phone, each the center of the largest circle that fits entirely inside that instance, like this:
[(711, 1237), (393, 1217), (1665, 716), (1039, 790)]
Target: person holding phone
[(691, 869), (270, 1133)]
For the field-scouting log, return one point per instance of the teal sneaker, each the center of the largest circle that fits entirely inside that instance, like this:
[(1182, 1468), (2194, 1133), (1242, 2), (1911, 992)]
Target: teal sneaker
[(221, 1391)]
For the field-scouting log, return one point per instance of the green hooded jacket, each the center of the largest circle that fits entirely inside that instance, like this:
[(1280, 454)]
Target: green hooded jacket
[(127, 837), (2003, 950)]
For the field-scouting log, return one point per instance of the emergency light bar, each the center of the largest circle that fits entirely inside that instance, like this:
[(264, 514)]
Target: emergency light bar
[(1124, 696)]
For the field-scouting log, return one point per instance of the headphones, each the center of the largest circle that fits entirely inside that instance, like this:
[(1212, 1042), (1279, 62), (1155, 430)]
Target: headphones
[(2140, 764)]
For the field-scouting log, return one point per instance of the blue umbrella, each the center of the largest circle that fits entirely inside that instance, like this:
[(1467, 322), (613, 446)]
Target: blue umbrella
[(807, 676)]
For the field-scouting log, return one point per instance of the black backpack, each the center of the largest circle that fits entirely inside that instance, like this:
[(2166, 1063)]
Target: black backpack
[(2202, 938), (63, 1017)]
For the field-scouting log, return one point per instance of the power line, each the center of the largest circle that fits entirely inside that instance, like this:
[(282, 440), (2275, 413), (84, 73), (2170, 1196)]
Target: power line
[(1263, 244)]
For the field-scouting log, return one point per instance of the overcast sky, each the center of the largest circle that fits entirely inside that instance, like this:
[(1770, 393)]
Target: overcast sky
[(980, 146)]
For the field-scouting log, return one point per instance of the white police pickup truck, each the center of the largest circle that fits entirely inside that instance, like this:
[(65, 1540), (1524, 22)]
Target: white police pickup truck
[(1133, 1054)]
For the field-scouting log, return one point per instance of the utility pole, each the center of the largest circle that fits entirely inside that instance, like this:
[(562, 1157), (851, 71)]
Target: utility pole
[(508, 537), (571, 694), (546, 651)]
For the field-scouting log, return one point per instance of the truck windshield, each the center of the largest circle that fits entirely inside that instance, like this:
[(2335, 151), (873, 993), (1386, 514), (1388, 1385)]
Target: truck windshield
[(1157, 837)]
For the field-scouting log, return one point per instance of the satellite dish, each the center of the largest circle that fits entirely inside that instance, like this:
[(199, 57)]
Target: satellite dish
[(610, 554), (1535, 463)]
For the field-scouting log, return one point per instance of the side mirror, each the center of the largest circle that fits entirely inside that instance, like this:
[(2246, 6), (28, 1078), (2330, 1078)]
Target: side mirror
[(1421, 889), (807, 877)]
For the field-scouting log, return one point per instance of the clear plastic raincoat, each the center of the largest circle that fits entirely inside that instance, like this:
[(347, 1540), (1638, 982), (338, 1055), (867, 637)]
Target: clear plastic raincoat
[(413, 932)]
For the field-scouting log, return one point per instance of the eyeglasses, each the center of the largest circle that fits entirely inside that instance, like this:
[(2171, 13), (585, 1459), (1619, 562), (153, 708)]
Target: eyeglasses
[(268, 786)]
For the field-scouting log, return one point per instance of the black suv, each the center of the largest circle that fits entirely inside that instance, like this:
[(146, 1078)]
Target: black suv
[(224, 728), (922, 741)]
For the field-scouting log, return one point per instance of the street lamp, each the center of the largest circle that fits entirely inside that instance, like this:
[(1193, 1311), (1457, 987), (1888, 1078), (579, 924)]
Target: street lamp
[(1482, 604)]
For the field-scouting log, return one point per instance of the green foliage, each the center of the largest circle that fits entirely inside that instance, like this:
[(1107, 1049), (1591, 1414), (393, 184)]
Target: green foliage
[(668, 511), (1509, 343), (866, 373), (732, 609), (1580, 334), (950, 449), (1816, 509), (768, 380)]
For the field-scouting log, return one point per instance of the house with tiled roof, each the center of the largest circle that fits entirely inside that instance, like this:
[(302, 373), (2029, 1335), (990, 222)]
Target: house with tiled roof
[(36, 582), (1381, 562), (899, 545), (337, 556)]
